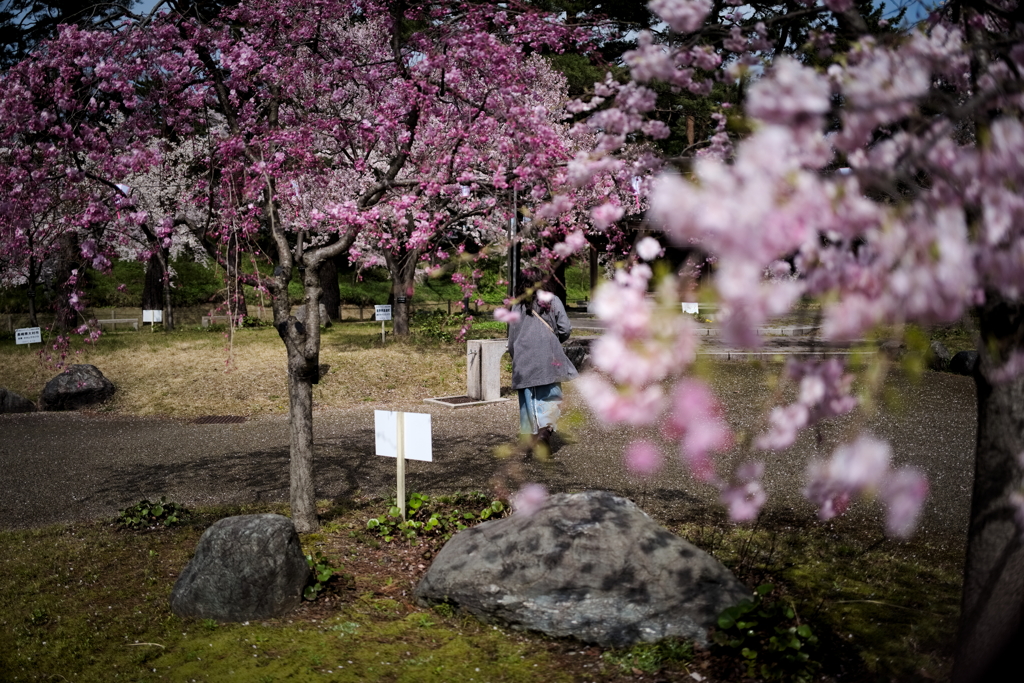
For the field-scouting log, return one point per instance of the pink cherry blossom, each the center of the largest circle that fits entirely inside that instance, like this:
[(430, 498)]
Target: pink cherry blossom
[(903, 494), (625, 405), (684, 16), (695, 420), (745, 496), (606, 215), (504, 315), (529, 499), (643, 458), (648, 249)]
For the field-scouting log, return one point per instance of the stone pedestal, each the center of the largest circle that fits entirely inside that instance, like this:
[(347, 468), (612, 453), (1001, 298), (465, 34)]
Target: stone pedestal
[(483, 368)]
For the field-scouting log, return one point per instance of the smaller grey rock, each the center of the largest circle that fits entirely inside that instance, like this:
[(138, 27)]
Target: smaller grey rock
[(77, 387), (894, 348), (938, 356), (11, 402), (964, 362), (245, 567)]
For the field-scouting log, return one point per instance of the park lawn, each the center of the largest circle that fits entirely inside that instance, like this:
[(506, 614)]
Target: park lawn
[(193, 372), (90, 602)]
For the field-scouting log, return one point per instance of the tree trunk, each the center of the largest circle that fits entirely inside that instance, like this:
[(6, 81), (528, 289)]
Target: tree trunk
[(403, 271), (301, 376), (153, 288), (302, 340), (331, 297), (236, 295), (165, 284), (156, 293), (556, 285), (68, 260), (33, 285), (991, 629)]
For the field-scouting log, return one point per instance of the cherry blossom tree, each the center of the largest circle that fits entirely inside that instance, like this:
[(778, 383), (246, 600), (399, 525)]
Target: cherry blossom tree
[(309, 123), (884, 182)]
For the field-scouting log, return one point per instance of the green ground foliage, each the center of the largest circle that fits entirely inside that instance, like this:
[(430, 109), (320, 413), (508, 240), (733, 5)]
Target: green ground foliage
[(90, 602), (199, 284)]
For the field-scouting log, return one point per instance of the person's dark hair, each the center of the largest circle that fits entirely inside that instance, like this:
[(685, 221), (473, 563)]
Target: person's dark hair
[(527, 287)]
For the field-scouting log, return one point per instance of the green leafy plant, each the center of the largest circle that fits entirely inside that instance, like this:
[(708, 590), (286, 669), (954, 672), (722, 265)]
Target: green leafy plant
[(768, 636), (436, 324), (651, 657), (432, 518), (145, 514), (253, 321), (321, 572)]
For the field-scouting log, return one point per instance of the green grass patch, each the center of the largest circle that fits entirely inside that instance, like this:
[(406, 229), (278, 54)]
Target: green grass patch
[(888, 609), (90, 602)]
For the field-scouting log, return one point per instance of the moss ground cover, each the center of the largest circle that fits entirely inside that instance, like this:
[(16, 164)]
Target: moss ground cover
[(89, 602)]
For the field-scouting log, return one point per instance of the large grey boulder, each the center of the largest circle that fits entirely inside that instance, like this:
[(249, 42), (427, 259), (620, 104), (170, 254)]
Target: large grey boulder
[(11, 402), (589, 565), (245, 567), (77, 387)]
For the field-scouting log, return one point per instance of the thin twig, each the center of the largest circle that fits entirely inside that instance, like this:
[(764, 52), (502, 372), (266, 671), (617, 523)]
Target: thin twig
[(153, 644)]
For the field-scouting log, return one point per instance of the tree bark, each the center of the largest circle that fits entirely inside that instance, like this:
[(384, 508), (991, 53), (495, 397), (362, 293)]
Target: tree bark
[(156, 293), (302, 341), (331, 297), (152, 289), (556, 285), (403, 272), (33, 286), (165, 284), (991, 629), (69, 259), (303, 372)]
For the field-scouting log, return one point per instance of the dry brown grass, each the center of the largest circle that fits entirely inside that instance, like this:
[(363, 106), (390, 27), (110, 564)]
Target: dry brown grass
[(186, 374)]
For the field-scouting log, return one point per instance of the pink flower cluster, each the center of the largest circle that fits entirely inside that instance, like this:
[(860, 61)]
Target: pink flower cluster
[(824, 392), (861, 468)]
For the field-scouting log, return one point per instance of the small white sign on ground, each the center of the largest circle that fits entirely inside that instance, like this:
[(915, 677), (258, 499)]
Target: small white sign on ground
[(382, 312), (691, 308), (154, 316), (28, 335), (417, 435)]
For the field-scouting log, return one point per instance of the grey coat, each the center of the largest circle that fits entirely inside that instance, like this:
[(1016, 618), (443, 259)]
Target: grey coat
[(537, 355)]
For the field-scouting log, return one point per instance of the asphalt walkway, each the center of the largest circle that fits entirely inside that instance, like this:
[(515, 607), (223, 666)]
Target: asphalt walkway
[(62, 467)]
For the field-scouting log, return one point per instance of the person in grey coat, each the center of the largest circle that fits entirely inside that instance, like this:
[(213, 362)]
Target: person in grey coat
[(539, 365)]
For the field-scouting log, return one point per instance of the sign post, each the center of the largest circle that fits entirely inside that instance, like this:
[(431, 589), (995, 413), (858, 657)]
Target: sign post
[(28, 335), (382, 313), (404, 436), (152, 317)]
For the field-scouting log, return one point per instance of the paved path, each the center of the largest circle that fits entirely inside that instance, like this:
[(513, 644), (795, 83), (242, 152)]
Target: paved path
[(59, 467)]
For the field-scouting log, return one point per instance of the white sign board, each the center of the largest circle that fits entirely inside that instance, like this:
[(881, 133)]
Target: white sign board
[(382, 312), (417, 435), (156, 316), (28, 335), (691, 308)]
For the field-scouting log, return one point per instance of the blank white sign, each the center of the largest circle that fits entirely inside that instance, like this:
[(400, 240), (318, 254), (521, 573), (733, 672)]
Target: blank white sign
[(154, 316), (417, 435)]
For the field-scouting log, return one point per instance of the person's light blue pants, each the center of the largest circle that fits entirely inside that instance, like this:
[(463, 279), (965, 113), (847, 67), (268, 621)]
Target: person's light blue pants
[(539, 407)]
